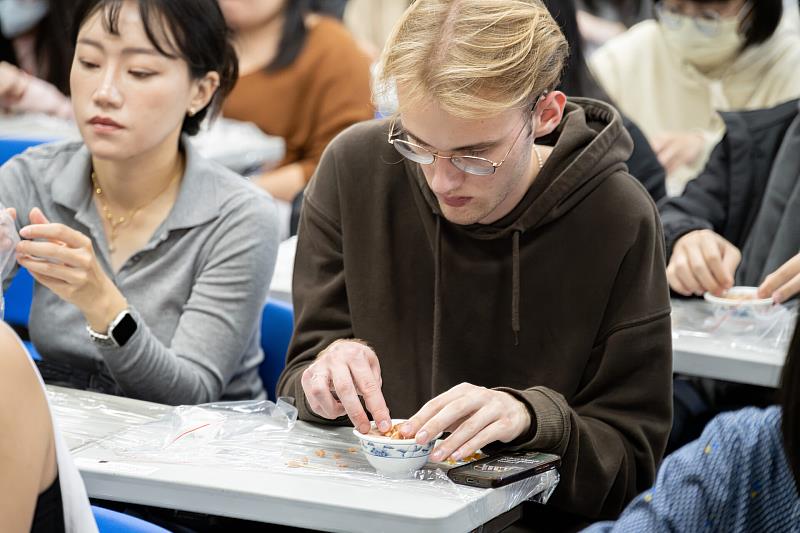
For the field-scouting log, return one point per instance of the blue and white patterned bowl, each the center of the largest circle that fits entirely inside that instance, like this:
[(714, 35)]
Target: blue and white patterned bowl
[(394, 457)]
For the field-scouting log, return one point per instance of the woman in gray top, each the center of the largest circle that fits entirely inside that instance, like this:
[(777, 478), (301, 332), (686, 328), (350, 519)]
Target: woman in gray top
[(151, 264)]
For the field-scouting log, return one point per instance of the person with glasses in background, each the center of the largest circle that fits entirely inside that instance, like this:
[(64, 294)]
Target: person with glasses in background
[(674, 74), (482, 263)]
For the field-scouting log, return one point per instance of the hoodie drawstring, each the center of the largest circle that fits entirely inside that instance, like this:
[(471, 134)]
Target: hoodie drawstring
[(515, 287), (437, 304)]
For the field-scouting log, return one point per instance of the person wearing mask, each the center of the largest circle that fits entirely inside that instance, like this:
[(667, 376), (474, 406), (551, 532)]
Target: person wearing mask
[(35, 56), (303, 78), (741, 475), (482, 263), (674, 74), (578, 80), (151, 263)]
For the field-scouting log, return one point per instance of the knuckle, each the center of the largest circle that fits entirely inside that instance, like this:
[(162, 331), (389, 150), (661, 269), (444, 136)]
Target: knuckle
[(369, 388)]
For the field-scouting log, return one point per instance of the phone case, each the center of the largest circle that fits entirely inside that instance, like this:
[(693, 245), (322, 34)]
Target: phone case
[(502, 469)]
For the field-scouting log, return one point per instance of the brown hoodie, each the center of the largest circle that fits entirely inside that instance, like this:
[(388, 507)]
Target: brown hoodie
[(562, 303)]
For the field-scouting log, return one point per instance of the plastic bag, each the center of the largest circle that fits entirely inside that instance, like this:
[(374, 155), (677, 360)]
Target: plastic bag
[(264, 436), (763, 330), (8, 242)]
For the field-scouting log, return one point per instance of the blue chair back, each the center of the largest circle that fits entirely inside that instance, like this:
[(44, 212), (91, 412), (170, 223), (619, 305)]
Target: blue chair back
[(109, 521), (11, 147), (18, 299), (277, 323)]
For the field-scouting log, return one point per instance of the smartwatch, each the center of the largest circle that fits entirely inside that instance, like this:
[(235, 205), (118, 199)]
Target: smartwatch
[(119, 331)]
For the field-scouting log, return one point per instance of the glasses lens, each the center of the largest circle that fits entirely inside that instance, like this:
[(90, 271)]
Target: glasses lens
[(708, 23), (669, 17), (413, 152), (474, 165)]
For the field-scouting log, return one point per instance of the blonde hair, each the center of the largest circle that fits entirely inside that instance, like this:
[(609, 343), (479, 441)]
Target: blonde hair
[(475, 58)]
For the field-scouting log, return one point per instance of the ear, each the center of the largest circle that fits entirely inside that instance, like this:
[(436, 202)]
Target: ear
[(549, 112), (203, 91)]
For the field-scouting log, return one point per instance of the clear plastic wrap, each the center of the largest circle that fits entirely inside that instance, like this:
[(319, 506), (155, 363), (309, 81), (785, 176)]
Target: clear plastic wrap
[(757, 329), (86, 417), (264, 436), (8, 242)]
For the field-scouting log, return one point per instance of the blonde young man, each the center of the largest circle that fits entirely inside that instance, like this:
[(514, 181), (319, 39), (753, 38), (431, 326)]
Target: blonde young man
[(483, 264)]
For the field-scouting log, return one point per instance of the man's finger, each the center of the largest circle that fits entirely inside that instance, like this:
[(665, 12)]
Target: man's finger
[(316, 385), (713, 259), (369, 387), (787, 290), (466, 431), (348, 397), (701, 271)]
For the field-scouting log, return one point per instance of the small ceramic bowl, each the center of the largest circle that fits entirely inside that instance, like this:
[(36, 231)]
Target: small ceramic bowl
[(742, 302), (739, 297), (394, 457)]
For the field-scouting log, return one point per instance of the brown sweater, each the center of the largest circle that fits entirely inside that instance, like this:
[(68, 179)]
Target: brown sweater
[(593, 360), (324, 91)]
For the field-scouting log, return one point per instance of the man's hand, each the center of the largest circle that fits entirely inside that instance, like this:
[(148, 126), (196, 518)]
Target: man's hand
[(475, 416), (784, 283), (702, 261), (342, 372)]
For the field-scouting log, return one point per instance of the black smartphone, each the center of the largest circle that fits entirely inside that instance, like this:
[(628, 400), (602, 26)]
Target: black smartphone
[(502, 469)]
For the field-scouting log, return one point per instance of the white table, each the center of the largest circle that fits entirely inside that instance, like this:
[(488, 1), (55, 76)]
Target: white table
[(723, 356), (703, 358), (307, 500)]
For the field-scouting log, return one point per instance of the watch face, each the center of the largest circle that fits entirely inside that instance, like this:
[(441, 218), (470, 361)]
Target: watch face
[(124, 329)]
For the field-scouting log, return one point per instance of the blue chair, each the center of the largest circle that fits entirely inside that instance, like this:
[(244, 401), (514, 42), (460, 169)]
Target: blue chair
[(18, 299), (277, 323), (11, 147), (113, 522)]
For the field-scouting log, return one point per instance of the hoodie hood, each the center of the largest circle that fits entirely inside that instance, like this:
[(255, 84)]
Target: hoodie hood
[(590, 144)]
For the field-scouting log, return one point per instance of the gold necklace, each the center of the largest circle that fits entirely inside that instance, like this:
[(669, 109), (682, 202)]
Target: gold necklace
[(117, 222)]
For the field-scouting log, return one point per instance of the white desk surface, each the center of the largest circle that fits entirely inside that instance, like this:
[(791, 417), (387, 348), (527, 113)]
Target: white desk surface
[(706, 358), (728, 353), (303, 500)]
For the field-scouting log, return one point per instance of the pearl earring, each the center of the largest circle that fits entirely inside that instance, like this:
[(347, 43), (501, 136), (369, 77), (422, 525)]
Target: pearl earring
[(192, 111)]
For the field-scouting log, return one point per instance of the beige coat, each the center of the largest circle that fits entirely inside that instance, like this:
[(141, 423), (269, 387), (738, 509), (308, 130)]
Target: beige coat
[(661, 93)]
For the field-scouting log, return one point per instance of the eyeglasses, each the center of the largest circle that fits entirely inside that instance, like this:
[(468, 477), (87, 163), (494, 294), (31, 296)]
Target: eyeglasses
[(471, 164), (708, 22)]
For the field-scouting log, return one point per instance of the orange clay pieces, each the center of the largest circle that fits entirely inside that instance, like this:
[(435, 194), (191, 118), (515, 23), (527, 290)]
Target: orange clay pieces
[(393, 433), (468, 459), (320, 453)]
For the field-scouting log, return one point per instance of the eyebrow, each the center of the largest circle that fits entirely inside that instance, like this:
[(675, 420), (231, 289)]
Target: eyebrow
[(125, 51), (476, 146)]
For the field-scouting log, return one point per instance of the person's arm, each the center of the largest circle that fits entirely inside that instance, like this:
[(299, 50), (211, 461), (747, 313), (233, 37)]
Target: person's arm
[(22, 93), (321, 308), (694, 485), (217, 323), (612, 432), (218, 320), (704, 202), (27, 452), (340, 96)]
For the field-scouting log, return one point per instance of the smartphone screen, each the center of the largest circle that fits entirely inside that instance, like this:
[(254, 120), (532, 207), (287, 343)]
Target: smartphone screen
[(502, 469)]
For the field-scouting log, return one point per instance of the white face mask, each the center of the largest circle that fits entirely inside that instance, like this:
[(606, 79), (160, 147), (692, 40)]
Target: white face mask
[(705, 52), (20, 16)]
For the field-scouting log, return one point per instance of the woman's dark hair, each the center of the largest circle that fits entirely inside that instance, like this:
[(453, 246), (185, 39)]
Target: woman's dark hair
[(761, 21), (790, 402), (192, 30), (576, 80), (293, 35), (54, 48)]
